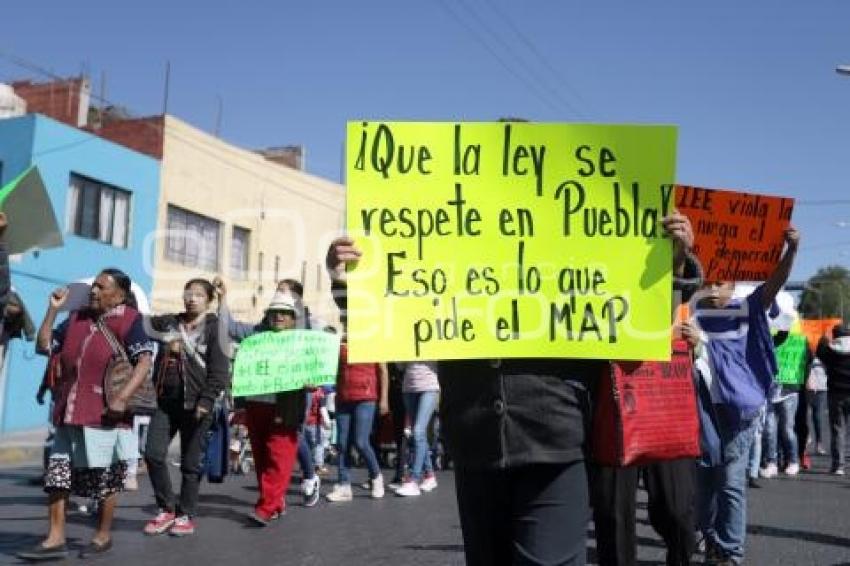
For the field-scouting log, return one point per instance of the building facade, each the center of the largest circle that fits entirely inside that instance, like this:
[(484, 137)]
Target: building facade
[(106, 198), (230, 212)]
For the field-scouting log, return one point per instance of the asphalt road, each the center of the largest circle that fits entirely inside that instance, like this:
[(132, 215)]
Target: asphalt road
[(793, 521)]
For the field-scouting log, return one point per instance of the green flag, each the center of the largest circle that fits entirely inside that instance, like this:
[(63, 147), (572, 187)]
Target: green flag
[(32, 221), (271, 362)]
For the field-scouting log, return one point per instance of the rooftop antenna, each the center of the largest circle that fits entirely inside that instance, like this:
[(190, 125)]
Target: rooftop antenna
[(218, 114), (165, 94)]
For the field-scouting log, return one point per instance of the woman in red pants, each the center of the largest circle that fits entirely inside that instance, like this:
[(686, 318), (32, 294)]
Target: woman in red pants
[(273, 420)]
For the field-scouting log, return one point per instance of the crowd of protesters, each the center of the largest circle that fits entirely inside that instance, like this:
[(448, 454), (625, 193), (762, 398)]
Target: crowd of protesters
[(516, 430)]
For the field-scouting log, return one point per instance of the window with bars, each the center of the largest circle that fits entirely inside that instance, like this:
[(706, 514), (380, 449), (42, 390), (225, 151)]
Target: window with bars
[(192, 239), (98, 211), (240, 246)]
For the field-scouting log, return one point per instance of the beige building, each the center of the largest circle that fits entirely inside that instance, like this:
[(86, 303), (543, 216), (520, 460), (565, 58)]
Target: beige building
[(231, 212), (251, 217)]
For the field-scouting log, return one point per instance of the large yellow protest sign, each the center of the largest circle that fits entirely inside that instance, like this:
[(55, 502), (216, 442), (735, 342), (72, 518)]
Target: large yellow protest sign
[(509, 240)]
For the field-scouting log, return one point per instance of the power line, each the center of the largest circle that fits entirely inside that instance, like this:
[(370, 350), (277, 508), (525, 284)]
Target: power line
[(529, 44), (481, 41), (21, 62), (541, 81)]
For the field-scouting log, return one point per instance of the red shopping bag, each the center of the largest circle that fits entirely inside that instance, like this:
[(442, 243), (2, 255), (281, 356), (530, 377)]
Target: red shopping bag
[(646, 411)]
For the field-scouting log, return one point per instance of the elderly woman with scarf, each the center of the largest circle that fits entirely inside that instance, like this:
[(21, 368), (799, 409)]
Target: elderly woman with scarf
[(93, 440)]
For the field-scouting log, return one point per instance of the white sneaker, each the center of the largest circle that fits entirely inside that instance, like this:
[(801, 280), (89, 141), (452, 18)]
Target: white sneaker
[(408, 489), (310, 489), (378, 487), (792, 469), (340, 493), (429, 483), (769, 471)]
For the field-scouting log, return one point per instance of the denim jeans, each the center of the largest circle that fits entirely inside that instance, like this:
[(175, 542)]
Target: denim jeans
[(755, 448), (780, 422), (354, 423), (723, 491), (305, 455), (420, 406), (839, 416), (816, 401), (315, 436)]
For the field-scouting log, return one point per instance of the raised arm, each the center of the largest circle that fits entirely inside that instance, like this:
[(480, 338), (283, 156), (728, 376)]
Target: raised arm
[(237, 331), (687, 271), (45, 331), (780, 275)]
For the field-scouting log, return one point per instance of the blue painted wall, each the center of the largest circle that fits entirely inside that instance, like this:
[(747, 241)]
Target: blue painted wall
[(59, 150)]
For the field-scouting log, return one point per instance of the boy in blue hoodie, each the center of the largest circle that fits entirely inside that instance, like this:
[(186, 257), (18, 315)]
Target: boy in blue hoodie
[(737, 366)]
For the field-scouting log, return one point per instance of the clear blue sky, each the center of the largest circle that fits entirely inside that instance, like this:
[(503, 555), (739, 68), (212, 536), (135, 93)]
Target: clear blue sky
[(751, 85)]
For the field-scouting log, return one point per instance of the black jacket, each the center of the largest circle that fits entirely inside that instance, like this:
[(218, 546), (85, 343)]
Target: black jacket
[(835, 356), (201, 385)]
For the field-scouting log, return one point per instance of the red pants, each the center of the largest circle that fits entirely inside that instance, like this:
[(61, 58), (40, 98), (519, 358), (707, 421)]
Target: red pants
[(274, 448)]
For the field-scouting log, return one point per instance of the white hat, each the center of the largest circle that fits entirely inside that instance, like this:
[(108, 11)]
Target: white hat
[(282, 302)]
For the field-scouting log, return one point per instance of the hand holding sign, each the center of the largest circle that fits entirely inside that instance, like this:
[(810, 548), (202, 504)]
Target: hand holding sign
[(341, 253), (792, 238)]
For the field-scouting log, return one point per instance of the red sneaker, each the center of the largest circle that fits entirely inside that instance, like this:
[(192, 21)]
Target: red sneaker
[(807, 461), (183, 526), (160, 523)]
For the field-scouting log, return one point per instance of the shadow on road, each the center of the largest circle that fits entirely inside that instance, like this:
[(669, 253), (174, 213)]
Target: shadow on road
[(818, 538)]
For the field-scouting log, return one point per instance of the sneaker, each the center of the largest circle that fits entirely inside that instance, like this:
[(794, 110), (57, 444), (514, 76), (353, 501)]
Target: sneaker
[(429, 483), (714, 555), (806, 462), (183, 526), (837, 471), (310, 488), (377, 490), (408, 489), (340, 493), (159, 524), (820, 450), (793, 469), (769, 471), (131, 483), (397, 482), (753, 483)]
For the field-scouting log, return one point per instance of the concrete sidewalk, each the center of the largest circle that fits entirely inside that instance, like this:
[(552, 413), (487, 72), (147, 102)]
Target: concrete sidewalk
[(22, 448)]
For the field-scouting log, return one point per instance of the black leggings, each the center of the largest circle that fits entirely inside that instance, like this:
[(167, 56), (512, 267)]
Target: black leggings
[(531, 515), (671, 488)]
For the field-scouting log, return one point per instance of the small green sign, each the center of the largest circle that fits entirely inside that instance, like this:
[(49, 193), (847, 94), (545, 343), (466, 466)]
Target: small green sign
[(271, 362), (791, 357)]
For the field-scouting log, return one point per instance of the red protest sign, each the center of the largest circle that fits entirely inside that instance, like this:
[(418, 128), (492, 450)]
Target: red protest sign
[(738, 236)]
